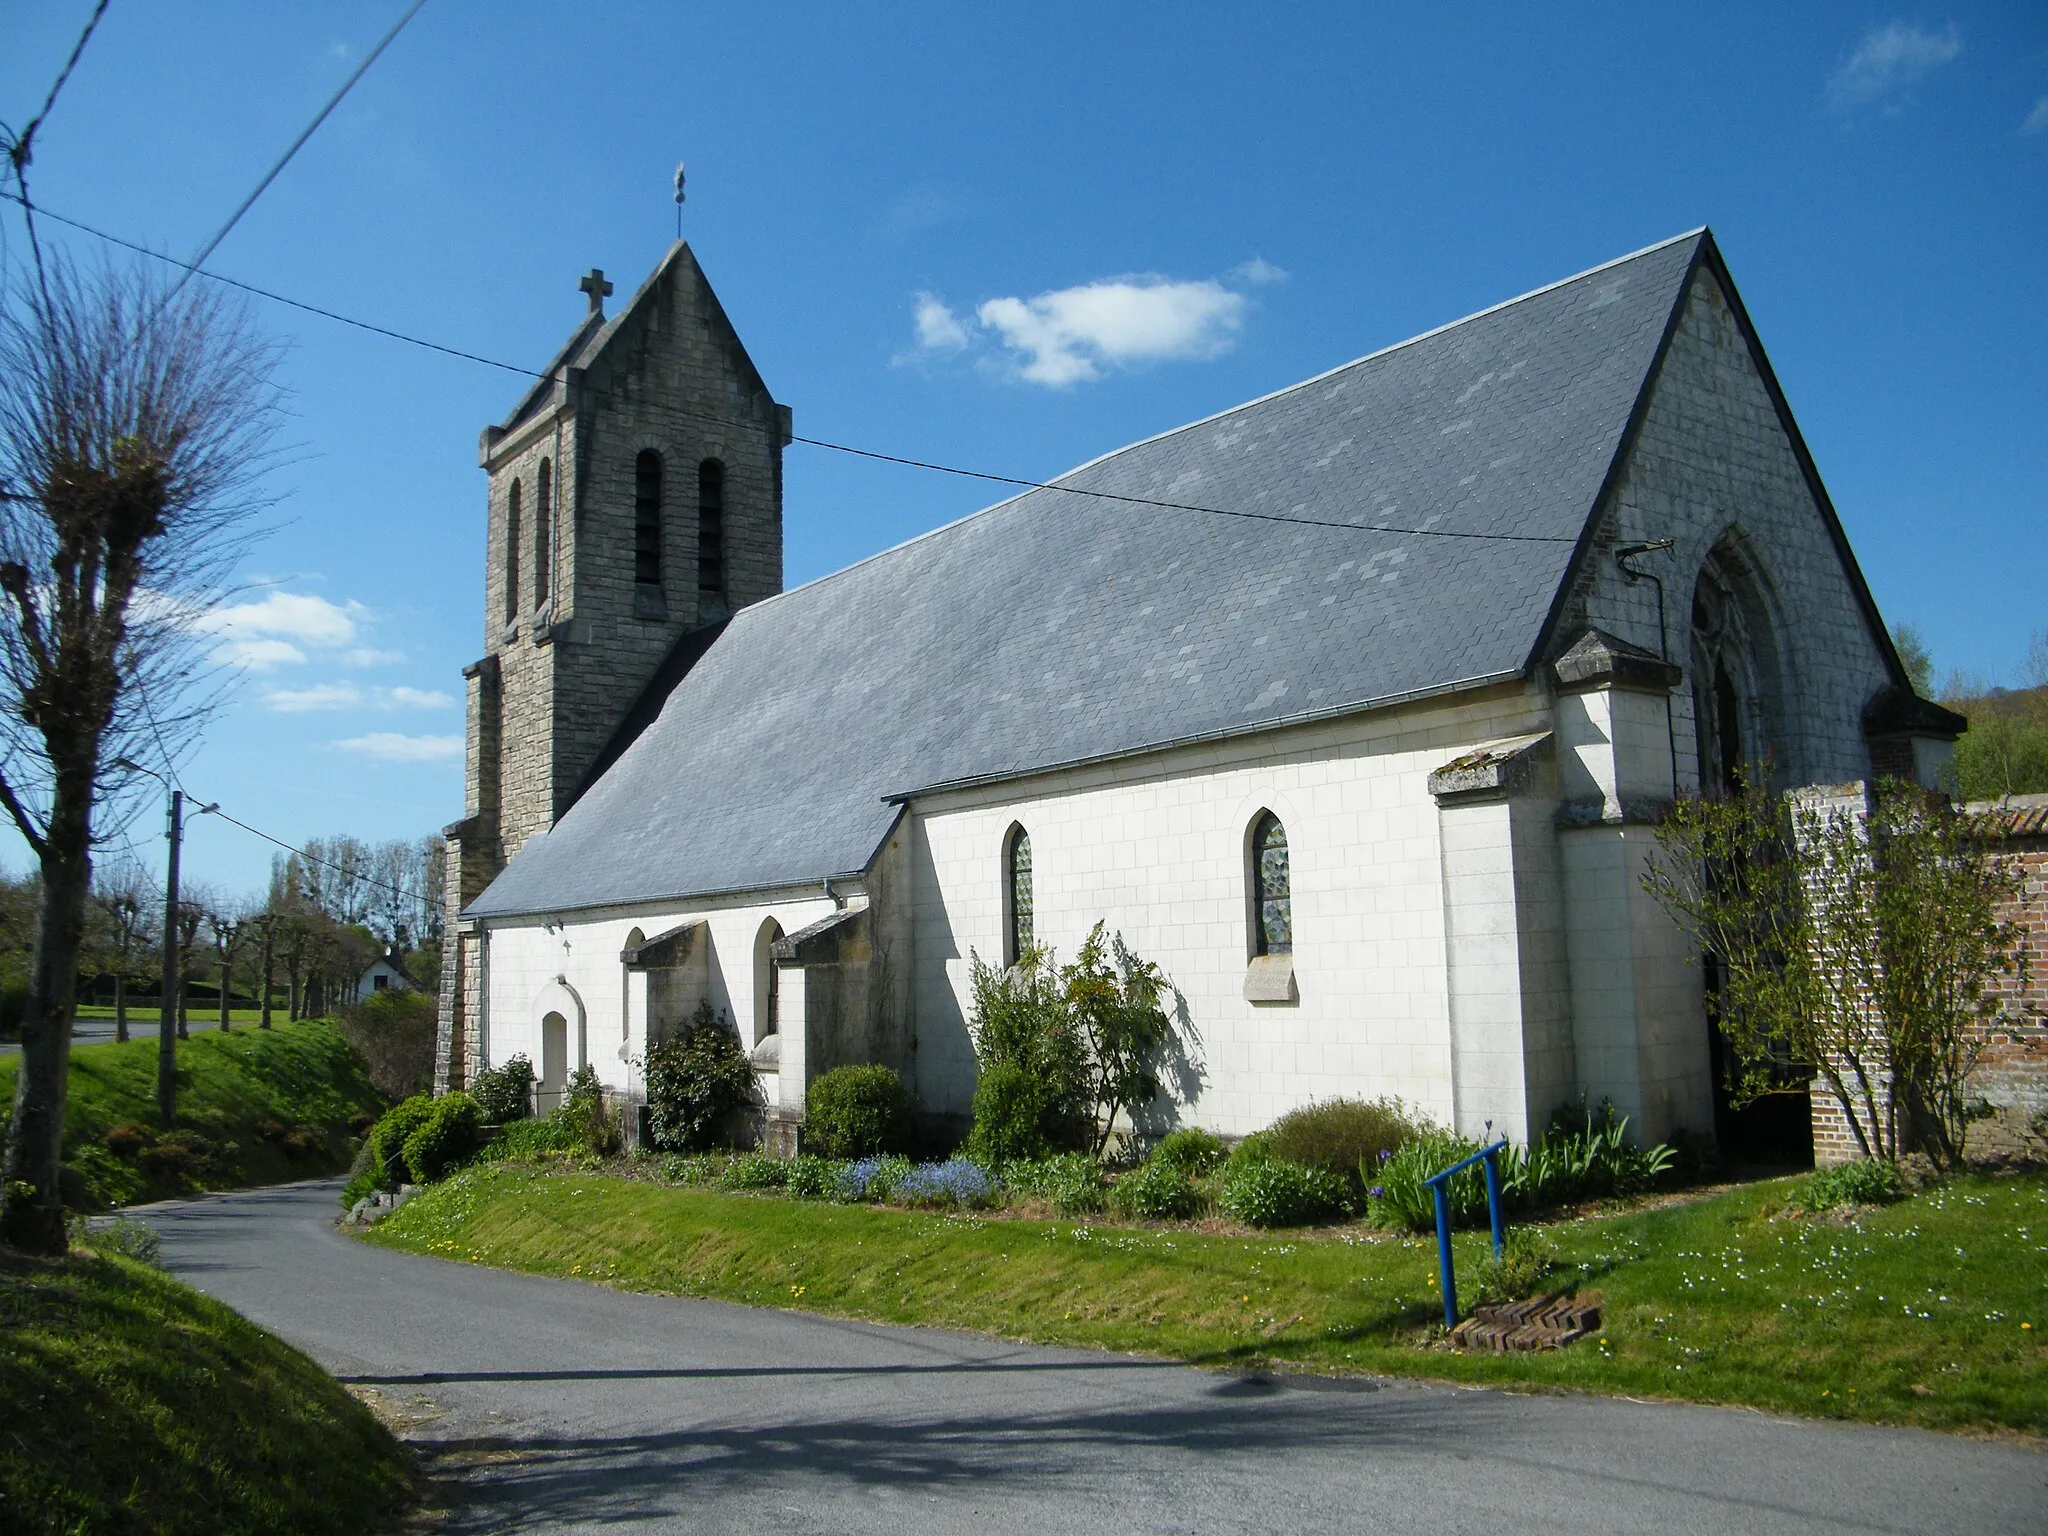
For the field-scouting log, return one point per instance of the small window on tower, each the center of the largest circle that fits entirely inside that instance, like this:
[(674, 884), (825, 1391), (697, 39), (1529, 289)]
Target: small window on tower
[(711, 527), (512, 556), (647, 518), (543, 527)]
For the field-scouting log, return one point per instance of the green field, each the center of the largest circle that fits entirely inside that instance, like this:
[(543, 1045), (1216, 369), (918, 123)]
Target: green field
[(1927, 1312), (254, 1107), (133, 1403)]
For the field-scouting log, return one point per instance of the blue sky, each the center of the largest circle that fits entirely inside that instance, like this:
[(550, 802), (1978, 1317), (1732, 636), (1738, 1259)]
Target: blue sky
[(1012, 238)]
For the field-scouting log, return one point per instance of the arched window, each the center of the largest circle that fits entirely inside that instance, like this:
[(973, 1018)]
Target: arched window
[(767, 983), (512, 556), (647, 518), (711, 527), (543, 528), (1272, 891), (1017, 938)]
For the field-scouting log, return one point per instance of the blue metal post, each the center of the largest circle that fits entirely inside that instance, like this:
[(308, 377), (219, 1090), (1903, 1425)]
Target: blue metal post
[(1493, 1198), (1443, 1254)]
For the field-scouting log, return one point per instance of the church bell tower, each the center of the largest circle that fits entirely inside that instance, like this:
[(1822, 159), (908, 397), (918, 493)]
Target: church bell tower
[(635, 503)]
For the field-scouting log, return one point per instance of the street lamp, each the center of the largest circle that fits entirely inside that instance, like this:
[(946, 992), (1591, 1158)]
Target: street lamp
[(167, 1014)]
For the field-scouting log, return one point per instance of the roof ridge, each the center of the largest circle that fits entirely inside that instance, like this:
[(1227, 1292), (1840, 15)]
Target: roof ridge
[(1189, 426)]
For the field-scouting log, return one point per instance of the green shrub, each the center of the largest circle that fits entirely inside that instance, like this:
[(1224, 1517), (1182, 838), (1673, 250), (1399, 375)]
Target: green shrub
[(446, 1139), (388, 1137), (1255, 1148), (1269, 1193), (1018, 1117), (1397, 1195), (1070, 1181), (1341, 1136), (1584, 1155), (534, 1141), (757, 1170), (593, 1130), (124, 1235), (815, 1178), (1867, 1181), (695, 1168), (1190, 1152), (1159, 1191), (697, 1084), (853, 1112), (1526, 1261), (505, 1093), (1035, 1091)]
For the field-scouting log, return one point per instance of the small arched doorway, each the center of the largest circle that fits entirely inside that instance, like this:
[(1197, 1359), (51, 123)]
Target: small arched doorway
[(554, 1062)]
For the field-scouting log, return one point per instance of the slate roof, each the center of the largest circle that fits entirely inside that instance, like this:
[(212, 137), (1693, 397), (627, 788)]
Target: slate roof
[(1054, 629)]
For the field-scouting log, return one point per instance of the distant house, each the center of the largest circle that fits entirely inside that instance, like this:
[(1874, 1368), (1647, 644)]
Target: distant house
[(384, 974)]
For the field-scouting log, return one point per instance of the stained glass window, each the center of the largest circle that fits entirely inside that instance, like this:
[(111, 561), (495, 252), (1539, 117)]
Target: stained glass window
[(1274, 893), (1018, 860)]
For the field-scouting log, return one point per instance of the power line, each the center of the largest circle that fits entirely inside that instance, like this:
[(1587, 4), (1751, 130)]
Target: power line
[(20, 151), (297, 144), (819, 442)]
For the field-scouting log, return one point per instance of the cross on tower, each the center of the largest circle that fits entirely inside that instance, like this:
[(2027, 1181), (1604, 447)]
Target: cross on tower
[(598, 289)]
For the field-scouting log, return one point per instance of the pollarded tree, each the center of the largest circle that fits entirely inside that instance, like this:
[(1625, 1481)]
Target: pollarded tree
[(133, 423)]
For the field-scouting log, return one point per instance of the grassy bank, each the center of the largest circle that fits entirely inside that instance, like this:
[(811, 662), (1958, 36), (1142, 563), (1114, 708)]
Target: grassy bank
[(1914, 1313), (136, 1404), (254, 1107)]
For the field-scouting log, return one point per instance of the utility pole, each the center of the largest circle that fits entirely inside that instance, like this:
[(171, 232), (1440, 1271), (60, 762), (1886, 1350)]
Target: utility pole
[(268, 920), (167, 1016)]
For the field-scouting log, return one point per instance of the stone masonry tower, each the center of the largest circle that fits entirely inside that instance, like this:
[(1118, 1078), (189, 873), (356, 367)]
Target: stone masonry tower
[(635, 504)]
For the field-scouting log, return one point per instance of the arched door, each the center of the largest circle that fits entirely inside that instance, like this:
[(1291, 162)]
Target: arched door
[(554, 1061)]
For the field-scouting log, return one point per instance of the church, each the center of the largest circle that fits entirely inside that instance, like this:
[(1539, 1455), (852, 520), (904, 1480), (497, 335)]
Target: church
[(1353, 707)]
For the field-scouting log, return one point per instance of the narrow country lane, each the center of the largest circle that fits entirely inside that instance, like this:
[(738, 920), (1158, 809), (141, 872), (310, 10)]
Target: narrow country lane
[(556, 1406)]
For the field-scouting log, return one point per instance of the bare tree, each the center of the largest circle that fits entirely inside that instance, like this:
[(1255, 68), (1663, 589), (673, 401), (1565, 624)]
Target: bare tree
[(230, 932), (127, 902), (133, 424)]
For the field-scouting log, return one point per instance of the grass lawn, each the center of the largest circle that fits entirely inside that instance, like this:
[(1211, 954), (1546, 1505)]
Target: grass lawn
[(254, 1107), (133, 1403), (148, 1015), (1928, 1312)]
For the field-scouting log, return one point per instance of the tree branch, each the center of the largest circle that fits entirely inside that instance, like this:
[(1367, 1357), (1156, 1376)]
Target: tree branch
[(30, 833)]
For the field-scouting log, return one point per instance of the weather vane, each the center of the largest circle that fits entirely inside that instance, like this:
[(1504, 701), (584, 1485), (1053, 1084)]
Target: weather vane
[(679, 199)]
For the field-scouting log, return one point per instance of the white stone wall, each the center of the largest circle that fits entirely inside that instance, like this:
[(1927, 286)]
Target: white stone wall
[(1157, 847), (572, 967)]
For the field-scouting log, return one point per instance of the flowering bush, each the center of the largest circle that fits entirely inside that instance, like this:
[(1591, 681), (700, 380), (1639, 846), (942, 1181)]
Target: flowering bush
[(957, 1181), (873, 1178), (1189, 1151), (815, 1178), (757, 1170)]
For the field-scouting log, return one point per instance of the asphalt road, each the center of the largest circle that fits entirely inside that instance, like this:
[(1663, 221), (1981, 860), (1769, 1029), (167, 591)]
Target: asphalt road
[(97, 1031), (556, 1406)]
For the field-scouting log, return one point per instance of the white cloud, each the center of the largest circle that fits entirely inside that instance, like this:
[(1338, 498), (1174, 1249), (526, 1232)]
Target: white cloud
[(1258, 272), (938, 328), (258, 655), (299, 701), (363, 656), (276, 629), (391, 747), (1889, 60), (1073, 334), (2037, 120), (347, 695), (419, 698)]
